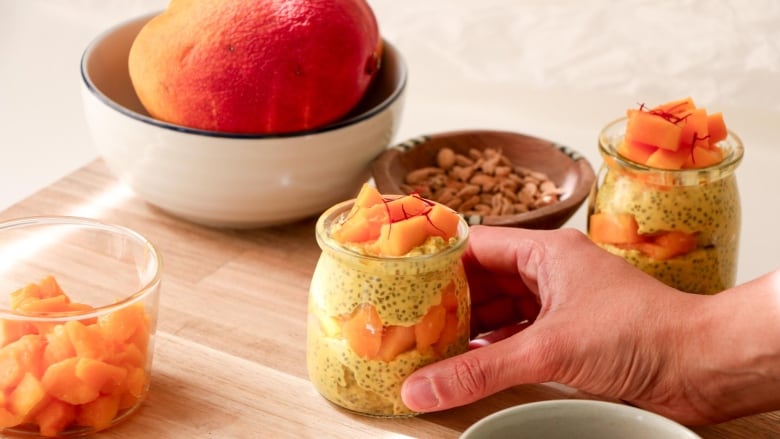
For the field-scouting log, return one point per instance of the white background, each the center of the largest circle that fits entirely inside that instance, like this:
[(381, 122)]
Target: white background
[(558, 69)]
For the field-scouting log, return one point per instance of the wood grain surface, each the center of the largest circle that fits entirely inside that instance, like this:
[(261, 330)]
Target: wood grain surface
[(230, 347)]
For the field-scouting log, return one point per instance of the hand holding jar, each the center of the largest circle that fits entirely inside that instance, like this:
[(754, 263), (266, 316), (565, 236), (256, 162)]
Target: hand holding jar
[(608, 329)]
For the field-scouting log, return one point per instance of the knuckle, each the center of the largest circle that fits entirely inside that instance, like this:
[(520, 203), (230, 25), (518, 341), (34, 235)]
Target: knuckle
[(573, 236), (470, 376)]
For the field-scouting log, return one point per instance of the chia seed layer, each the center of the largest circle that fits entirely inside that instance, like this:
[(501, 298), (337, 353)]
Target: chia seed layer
[(402, 290), (711, 210), (367, 386)]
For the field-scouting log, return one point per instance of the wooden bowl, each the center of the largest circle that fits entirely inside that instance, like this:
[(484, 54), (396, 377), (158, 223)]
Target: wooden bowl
[(571, 172)]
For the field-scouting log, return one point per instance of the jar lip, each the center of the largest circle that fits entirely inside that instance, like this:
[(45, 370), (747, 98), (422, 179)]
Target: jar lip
[(614, 131), (336, 212)]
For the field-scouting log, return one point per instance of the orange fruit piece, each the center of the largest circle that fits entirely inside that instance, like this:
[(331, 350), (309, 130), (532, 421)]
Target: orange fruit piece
[(19, 357), (98, 413), (666, 159), (636, 152), (675, 135), (695, 129), (701, 157), (651, 129), (716, 127), (449, 297), (442, 221), (396, 340), (676, 107), (12, 330), (450, 333), (398, 238), (368, 196), (667, 245), (363, 332), (54, 417), (607, 228), (428, 330), (405, 207), (362, 224), (60, 381), (45, 289), (84, 370), (8, 418)]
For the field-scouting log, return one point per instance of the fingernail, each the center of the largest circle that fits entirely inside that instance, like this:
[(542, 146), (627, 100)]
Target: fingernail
[(419, 394)]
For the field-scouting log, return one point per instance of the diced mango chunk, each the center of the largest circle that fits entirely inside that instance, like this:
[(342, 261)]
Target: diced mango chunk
[(60, 381), (674, 135), (609, 228), (450, 333), (393, 227), (54, 417), (396, 339), (400, 237), (363, 331), (622, 230), (27, 396), (428, 330), (650, 129), (98, 413), (79, 373)]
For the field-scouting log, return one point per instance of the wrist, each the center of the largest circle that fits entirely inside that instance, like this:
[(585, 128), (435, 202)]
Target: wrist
[(732, 353)]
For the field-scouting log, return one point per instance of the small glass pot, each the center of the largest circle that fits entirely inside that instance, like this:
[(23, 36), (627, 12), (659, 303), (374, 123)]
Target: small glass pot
[(702, 203), (372, 321), (79, 301)]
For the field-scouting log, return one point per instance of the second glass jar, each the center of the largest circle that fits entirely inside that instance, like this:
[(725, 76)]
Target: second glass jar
[(703, 203)]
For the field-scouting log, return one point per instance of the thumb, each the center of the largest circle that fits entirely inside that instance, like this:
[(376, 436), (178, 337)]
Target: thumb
[(471, 376)]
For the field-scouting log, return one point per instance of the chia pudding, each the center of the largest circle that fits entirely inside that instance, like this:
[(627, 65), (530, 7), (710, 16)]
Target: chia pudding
[(702, 202), (401, 292)]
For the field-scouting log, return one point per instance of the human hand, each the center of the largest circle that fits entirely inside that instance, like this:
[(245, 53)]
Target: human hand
[(592, 321)]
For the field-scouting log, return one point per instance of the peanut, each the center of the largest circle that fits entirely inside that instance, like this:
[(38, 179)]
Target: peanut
[(422, 174), (445, 158), (482, 182)]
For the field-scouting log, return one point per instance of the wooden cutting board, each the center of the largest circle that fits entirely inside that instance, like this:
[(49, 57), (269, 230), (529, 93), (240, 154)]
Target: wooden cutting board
[(230, 346)]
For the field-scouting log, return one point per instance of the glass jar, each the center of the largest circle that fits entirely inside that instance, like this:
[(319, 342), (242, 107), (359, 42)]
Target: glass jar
[(372, 321), (79, 301), (703, 203)]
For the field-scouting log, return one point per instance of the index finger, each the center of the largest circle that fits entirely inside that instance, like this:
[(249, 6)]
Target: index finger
[(503, 255)]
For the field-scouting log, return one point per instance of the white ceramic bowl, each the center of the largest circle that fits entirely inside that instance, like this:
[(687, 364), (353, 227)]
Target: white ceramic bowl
[(224, 180), (572, 418)]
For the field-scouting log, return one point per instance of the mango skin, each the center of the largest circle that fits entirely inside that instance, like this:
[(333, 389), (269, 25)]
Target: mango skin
[(255, 66)]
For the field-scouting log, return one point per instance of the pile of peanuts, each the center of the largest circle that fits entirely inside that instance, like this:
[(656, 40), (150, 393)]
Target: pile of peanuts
[(484, 182)]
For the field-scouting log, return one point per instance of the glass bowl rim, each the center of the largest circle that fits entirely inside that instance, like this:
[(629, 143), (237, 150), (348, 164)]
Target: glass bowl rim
[(87, 223)]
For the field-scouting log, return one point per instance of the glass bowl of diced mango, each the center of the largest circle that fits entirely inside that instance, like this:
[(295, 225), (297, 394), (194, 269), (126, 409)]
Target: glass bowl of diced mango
[(78, 312)]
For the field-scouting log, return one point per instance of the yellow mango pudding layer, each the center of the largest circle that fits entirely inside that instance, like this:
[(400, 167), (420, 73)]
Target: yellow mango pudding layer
[(388, 296)]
